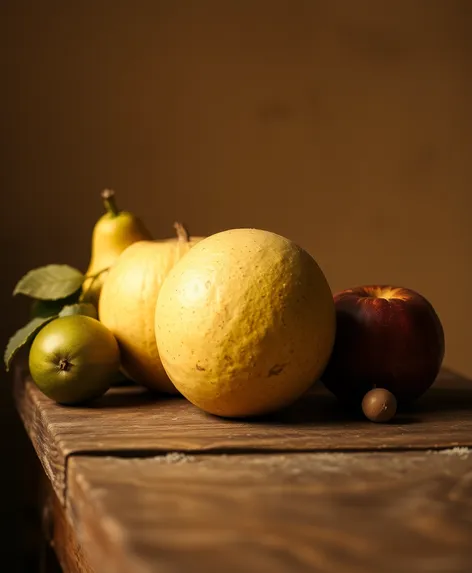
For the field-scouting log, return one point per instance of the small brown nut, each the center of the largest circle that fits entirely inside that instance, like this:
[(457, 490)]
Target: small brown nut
[(379, 405)]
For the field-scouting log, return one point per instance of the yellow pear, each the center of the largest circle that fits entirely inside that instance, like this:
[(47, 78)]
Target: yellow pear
[(113, 232), (128, 301), (245, 323)]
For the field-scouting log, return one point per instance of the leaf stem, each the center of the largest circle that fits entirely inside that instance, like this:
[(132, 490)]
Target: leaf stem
[(94, 276)]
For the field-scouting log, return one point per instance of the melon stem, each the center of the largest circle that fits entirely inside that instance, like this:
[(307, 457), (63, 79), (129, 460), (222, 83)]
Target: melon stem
[(182, 233)]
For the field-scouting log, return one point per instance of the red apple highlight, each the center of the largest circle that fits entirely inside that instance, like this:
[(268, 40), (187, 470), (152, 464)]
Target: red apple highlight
[(387, 337)]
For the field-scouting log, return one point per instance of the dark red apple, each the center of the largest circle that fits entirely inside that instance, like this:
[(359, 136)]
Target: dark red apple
[(387, 337)]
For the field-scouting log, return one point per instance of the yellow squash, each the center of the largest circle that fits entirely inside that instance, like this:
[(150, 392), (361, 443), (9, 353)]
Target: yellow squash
[(128, 300)]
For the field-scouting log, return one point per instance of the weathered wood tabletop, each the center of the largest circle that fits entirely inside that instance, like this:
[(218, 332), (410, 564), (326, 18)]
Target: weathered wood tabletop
[(146, 484), (356, 513)]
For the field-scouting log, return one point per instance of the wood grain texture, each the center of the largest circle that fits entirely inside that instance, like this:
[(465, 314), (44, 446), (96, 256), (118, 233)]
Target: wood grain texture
[(37, 424), (295, 513), (131, 422), (60, 533)]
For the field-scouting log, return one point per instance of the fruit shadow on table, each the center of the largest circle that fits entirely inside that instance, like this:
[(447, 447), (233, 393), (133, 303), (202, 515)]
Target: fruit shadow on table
[(316, 406)]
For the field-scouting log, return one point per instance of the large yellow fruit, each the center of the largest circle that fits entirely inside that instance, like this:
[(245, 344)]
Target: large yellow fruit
[(128, 300), (245, 323)]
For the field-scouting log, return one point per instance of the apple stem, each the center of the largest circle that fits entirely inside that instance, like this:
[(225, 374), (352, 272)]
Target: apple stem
[(182, 233), (108, 196), (64, 365)]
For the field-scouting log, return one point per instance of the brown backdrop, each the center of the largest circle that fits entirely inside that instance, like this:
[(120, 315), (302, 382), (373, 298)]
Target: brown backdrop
[(343, 125)]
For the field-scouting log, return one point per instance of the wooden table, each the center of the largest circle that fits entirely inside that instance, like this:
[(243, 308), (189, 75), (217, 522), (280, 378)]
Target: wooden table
[(137, 484)]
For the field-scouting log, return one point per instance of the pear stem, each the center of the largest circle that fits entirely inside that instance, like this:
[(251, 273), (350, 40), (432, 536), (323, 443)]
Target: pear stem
[(182, 233), (108, 196)]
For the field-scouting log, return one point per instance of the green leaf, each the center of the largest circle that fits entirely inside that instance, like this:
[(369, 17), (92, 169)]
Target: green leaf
[(84, 308), (46, 308), (51, 282), (23, 336)]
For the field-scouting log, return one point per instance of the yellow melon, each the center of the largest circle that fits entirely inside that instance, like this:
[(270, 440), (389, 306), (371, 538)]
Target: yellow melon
[(127, 305), (245, 323)]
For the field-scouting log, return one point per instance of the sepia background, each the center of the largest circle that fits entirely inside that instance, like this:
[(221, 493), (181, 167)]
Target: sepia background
[(345, 126)]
